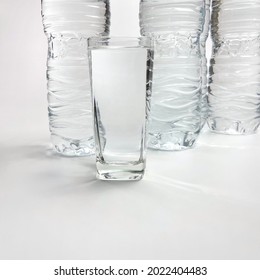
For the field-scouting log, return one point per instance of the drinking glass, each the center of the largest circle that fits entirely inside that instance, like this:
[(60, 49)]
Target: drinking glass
[(121, 79)]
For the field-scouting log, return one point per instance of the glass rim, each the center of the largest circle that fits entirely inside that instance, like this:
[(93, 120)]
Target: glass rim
[(120, 42)]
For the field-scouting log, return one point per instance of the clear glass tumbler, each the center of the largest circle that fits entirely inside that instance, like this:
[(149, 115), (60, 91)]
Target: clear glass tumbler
[(121, 79)]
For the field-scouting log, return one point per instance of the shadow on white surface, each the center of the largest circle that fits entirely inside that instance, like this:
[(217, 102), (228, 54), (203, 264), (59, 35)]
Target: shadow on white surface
[(197, 204), (239, 142)]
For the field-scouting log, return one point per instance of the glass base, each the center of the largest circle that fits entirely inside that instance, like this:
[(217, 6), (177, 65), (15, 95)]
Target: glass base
[(117, 172), (233, 127), (72, 147), (174, 141)]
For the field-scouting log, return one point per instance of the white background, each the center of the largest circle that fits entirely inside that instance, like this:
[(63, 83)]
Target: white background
[(198, 204)]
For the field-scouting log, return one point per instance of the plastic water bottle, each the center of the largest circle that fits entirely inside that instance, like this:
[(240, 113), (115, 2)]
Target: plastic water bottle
[(68, 24), (234, 96), (176, 111)]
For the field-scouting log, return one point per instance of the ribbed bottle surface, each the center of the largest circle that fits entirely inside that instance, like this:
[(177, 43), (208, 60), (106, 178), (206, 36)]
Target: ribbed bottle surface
[(67, 25), (234, 97), (176, 26)]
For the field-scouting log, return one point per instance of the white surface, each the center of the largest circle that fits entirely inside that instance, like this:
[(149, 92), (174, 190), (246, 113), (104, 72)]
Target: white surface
[(198, 204)]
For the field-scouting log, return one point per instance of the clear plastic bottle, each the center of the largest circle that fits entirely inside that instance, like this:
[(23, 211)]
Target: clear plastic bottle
[(68, 24), (234, 96), (176, 110)]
